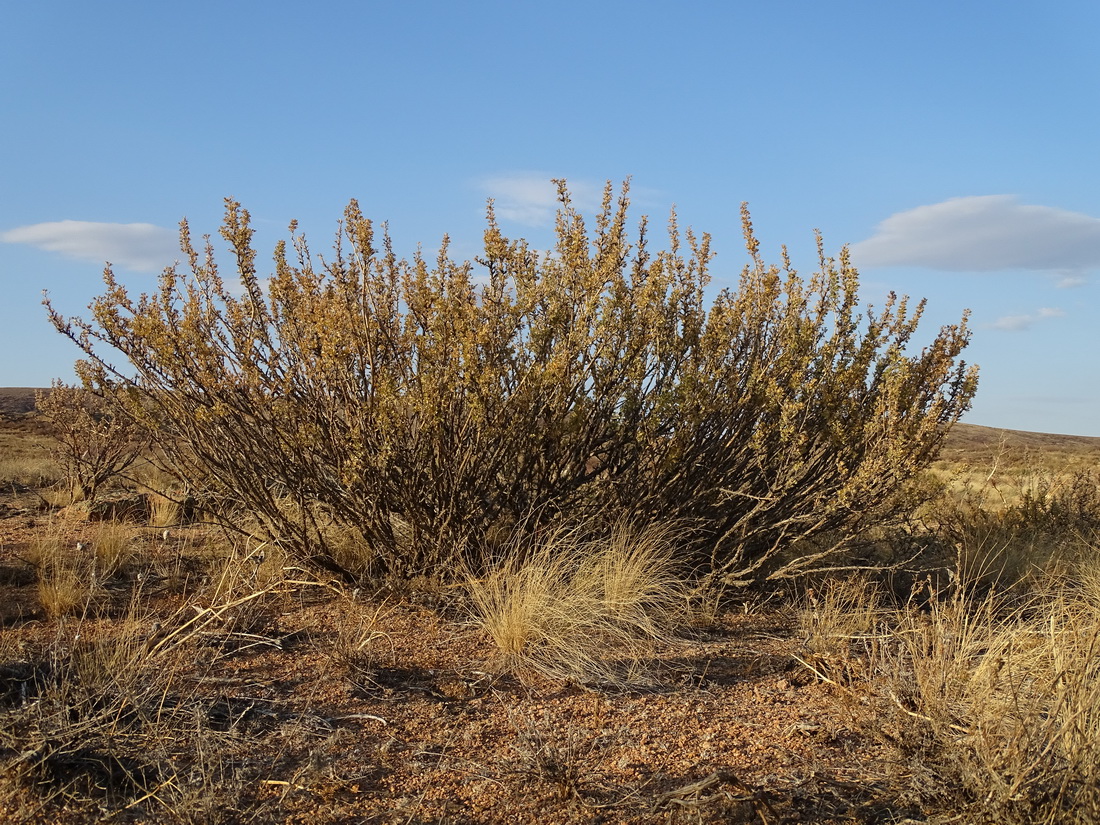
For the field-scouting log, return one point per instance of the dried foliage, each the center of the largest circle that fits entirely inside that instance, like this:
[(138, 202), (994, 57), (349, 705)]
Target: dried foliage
[(432, 405), (995, 705), (581, 605), (113, 726), (94, 442)]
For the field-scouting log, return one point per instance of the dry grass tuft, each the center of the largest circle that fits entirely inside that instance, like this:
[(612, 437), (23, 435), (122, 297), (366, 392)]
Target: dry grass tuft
[(992, 702), (72, 576), (66, 584), (360, 642), (64, 592), (114, 546), (562, 756), (581, 608), (163, 511), (836, 623)]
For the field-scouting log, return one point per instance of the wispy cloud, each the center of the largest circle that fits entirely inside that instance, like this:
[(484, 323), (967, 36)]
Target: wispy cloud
[(986, 233), (142, 247), (1018, 323), (531, 198)]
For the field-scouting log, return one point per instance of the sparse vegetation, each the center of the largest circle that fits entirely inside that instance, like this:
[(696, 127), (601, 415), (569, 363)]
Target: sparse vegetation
[(560, 544), (992, 704), (29, 471), (190, 678), (94, 724), (73, 574)]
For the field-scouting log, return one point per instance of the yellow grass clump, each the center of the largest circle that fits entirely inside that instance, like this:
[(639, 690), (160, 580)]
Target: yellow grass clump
[(583, 608)]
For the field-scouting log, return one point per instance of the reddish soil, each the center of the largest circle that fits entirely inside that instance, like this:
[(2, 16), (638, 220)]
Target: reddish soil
[(342, 707), (419, 725)]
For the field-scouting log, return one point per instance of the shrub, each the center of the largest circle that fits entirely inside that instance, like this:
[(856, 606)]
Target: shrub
[(94, 442), (434, 405), (1014, 536), (1066, 504)]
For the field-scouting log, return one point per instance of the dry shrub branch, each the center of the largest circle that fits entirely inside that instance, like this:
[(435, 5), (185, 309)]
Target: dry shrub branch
[(430, 405)]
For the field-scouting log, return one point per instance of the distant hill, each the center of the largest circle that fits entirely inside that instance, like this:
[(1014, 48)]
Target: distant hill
[(16, 400), (968, 436), (988, 447)]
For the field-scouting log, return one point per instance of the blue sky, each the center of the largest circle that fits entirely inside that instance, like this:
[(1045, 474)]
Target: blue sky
[(952, 145)]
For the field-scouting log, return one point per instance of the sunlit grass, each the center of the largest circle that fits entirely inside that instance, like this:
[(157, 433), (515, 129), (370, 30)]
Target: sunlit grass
[(582, 608)]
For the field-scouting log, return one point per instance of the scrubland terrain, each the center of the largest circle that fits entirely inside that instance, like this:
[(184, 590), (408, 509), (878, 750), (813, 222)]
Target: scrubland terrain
[(557, 536), (154, 668)]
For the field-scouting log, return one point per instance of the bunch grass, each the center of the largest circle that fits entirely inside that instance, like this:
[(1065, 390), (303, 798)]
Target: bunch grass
[(991, 699), (583, 607)]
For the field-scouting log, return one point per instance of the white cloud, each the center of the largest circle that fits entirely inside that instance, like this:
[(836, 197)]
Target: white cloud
[(142, 247), (531, 198), (984, 234), (1071, 281), (1018, 323)]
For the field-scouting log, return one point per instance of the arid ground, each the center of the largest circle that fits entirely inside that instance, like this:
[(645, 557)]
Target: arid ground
[(182, 678)]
